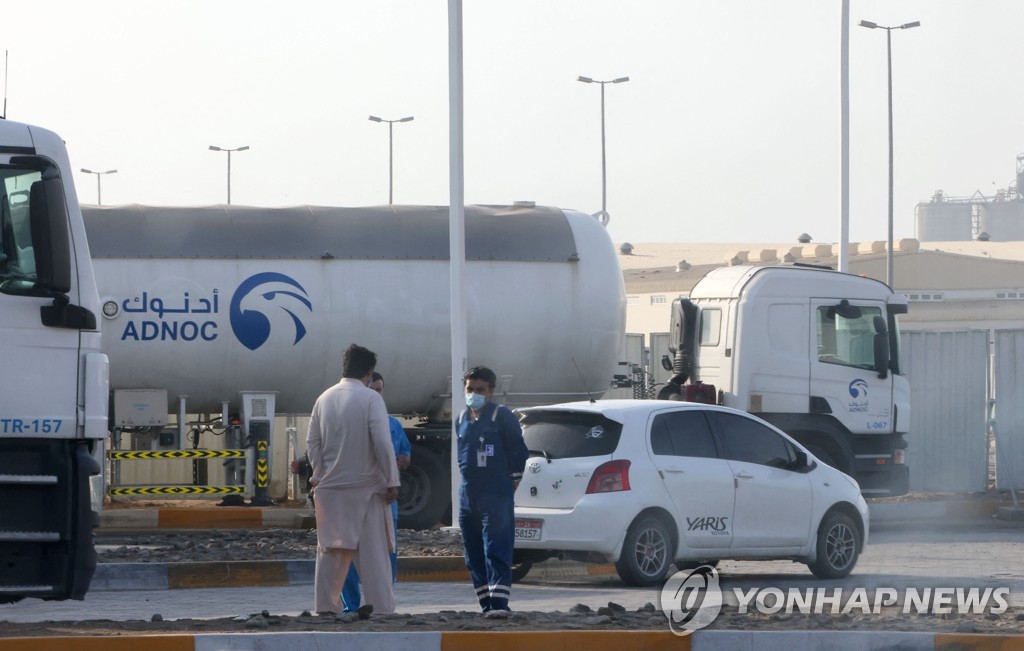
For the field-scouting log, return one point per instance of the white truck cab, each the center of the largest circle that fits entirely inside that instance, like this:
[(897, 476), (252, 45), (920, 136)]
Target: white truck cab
[(813, 351), (53, 392)]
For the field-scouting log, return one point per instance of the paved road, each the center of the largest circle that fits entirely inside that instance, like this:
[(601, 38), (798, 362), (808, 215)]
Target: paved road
[(977, 554)]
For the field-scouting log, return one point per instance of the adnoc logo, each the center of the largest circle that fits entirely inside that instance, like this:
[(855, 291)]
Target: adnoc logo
[(260, 295), (859, 388), (692, 600)]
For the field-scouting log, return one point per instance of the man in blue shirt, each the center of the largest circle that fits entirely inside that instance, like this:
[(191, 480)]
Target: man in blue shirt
[(492, 456), (403, 454)]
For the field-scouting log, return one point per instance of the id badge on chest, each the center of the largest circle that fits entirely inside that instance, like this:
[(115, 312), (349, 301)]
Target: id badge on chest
[(481, 455)]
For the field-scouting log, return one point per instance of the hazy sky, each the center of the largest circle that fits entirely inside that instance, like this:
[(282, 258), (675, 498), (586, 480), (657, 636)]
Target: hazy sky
[(728, 129)]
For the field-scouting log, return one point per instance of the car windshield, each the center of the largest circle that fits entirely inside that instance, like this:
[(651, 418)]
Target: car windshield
[(560, 435)]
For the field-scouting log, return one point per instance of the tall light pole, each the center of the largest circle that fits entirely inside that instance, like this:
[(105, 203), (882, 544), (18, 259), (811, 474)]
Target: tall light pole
[(391, 152), (888, 43), (215, 148), (603, 216), (99, 189)]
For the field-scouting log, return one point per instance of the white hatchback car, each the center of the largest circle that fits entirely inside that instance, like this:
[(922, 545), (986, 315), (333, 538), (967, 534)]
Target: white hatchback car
[(645, 483)]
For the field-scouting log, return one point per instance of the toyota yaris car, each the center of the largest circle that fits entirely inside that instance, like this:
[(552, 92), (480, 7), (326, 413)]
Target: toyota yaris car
[(648, 483)]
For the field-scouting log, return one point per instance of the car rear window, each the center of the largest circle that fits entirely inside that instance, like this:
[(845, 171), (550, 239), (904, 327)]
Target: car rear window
[(563, 435)]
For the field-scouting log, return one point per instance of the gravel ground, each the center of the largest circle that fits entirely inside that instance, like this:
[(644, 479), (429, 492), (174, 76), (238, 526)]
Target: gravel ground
[(279, 544), (576, 617), (249, 545)]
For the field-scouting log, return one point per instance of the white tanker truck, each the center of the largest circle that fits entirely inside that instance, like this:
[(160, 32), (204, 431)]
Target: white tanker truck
[(216, 307)]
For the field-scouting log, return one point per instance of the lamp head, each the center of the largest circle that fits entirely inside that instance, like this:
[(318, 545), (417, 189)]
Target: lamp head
[(868, 24)]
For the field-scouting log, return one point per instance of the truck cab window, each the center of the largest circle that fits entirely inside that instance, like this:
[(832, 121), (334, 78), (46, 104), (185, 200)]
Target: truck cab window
[(710, 327), (847, 341), (17, 257)]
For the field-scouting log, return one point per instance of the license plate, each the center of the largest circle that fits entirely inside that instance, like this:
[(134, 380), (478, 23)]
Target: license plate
[(528, 529)]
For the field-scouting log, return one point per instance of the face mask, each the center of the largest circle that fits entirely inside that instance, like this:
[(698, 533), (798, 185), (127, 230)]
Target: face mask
[(475, 401)]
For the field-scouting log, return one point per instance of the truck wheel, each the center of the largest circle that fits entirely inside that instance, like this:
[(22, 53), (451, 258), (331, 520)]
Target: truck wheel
[(425, 493), (838, 547), (646, 552)]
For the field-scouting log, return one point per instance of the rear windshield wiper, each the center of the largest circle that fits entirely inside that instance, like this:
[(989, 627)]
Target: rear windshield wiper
[(543, 453)]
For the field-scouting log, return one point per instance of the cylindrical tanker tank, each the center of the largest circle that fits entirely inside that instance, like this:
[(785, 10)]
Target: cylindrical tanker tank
[(210, 301)]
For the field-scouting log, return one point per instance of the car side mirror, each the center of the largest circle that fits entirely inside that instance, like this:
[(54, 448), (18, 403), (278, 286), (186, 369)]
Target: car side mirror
[(802, 462)]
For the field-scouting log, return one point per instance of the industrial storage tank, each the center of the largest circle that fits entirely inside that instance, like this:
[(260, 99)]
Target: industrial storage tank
[(210, 301), (1003, 220), (941, 221)]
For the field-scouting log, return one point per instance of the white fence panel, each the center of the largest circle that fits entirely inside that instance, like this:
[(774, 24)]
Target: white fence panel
[(1009, 408), (948, 373)]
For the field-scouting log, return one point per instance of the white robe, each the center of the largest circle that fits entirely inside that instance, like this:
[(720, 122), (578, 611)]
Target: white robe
[(353, 461)]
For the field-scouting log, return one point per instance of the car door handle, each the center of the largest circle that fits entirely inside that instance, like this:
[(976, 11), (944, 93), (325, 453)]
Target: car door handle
[(673, 471), (744, 475)]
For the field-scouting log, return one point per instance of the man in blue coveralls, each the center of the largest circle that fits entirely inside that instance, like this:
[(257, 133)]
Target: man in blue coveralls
[(492, 456), (403, 451)]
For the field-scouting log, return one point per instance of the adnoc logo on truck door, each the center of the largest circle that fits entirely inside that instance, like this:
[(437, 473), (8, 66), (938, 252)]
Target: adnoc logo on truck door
[(259, 294), (254, 313)]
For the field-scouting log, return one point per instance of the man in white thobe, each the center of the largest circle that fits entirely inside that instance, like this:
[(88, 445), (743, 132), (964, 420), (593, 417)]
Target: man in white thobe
[(355, 479)]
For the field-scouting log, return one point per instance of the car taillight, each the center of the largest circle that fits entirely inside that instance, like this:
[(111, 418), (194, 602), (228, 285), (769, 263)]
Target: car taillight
[(899, 457), (610, 477)]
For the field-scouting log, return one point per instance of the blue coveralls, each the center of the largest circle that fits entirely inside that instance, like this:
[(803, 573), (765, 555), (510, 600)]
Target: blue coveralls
[(486, 499), (350, 596)]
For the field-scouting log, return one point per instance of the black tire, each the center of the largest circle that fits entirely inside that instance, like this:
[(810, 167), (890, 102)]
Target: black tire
[(647, 552), (689, 566), (838, 546), (425, 494)]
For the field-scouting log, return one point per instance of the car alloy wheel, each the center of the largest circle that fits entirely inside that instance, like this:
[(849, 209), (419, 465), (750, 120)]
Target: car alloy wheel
[(838, 546), (646, 552)]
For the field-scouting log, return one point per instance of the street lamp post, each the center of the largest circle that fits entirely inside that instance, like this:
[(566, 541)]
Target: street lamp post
[(888, 42), (391, 151), (99, 189), (215, 148), (603, 215)]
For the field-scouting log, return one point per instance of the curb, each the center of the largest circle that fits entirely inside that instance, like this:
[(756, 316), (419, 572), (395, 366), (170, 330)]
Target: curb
[(536, 640), (225, 517), (242, 517), (241, 574)]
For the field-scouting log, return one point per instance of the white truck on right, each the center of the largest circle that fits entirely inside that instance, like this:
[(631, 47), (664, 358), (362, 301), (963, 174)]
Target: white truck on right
[(813, 351)]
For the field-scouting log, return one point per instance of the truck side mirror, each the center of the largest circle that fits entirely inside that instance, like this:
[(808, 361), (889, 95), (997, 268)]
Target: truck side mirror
[(881, 341), (682, 339), (845, 310), (48, 215)]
